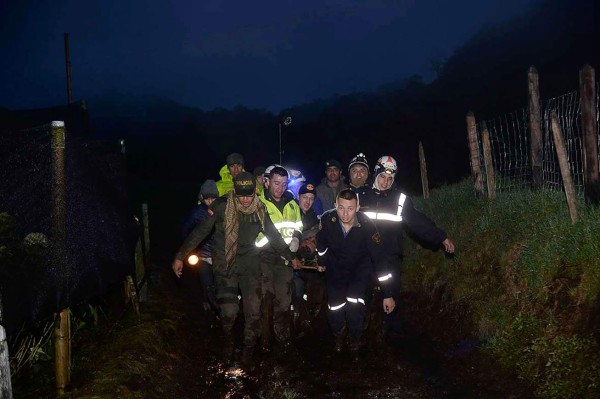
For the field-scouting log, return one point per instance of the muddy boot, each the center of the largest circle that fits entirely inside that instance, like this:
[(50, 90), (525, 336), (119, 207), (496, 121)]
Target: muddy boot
[(228, 347), (340, 338), (246, 361)]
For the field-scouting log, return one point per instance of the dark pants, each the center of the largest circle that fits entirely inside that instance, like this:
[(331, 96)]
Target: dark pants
[(277, 280), (346, 290), (244, 276)]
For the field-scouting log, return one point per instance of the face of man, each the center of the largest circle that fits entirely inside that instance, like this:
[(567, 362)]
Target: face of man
[(306, 201), (384, 181), (358, 175), (235, 169), (333, 174), (346, 210), (277, 186), (208, 201), (245, 200)]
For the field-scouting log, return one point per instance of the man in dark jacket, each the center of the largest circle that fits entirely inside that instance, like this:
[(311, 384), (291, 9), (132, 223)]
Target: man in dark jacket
[(208, 193), (358, 173), (393, 211), (237, 219), (349, 246)]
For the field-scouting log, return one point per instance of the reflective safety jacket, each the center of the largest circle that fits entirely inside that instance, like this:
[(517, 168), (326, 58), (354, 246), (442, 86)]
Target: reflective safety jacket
[(226, 183), (287, 220), (393, 211)]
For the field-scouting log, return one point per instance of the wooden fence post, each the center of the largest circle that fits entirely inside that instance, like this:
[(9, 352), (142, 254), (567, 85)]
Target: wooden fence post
[(535, 129), (5, 382), (563, 162), (489, 164), (62, 331), (146, 221), (474, 151), (587, 89), (424, 180)]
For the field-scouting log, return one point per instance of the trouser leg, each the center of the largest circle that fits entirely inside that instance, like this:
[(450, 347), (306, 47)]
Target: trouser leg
[(357, 290), (248, 273), (283, 281)]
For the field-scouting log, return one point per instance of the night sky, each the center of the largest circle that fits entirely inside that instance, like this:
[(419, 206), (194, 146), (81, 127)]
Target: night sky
[(213, 53)]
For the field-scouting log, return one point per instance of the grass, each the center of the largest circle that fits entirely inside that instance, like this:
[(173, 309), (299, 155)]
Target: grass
[(530, 278)]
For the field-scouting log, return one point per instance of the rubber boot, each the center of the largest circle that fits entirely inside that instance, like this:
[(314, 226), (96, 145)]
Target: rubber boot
[(340, 338), (246, 361)]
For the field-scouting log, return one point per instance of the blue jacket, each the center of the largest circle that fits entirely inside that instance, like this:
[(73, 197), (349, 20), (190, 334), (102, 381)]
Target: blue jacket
[(198, 214)]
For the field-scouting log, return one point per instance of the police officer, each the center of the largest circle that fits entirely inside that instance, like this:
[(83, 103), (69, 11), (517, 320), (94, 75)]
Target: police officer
[(237, 219), (349, 246), (277, 276), (392, 210)]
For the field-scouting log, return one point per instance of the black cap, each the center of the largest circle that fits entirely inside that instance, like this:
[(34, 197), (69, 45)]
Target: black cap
[(332, 163), (359, 159), (244, 184), (307, 188), (234, 158)]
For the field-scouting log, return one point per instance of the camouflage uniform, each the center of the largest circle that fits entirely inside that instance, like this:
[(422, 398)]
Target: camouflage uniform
[(244, 273)]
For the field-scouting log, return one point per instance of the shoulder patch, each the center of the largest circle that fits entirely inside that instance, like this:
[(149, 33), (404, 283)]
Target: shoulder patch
[(376, 238), (334, 219)]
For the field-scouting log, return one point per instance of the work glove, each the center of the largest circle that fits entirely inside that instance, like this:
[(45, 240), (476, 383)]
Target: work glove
[(294, 244)]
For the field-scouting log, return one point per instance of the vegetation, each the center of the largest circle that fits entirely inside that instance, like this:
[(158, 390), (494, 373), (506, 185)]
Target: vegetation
[(527, 278)]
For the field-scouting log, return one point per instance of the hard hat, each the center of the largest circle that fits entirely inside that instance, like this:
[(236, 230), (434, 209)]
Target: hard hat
[(385, 164)]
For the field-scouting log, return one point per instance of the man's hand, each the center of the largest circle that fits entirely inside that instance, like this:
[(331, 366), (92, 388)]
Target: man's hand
[(296, 264), (448, 246), (177, 266), (294, 244), (388, 305)]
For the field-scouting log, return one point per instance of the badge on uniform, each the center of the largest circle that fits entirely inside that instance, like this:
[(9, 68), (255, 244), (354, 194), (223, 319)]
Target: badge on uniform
[(334, 219), (376, 238)]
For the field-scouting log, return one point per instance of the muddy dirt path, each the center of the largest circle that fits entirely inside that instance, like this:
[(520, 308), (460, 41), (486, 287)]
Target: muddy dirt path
[(173, 351)]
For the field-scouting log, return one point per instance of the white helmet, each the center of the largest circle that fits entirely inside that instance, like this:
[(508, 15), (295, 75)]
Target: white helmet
[(385, 164), (267, 173)]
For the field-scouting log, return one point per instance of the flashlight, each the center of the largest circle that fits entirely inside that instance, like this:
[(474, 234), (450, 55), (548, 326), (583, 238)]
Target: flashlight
[(193, 259)]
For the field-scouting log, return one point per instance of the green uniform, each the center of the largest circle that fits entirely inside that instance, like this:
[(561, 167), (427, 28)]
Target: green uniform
[(244, 273), (278, 277)]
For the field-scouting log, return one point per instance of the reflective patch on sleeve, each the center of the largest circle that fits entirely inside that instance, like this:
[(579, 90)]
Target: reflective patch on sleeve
[(376, 238)]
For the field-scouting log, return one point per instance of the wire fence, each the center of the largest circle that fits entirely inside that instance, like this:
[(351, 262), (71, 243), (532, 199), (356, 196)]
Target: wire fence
[(510, 145)]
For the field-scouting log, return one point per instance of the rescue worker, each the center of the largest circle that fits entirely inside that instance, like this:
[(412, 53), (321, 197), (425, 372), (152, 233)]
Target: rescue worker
[(237, 218), (392, 211), (349, 246), (277, 275), (208, 193), (308, 284), (331, 184), (358, 172), (233, 166)]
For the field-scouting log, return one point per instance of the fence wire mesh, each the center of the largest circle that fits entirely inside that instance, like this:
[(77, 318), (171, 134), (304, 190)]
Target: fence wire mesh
[(510, 145)]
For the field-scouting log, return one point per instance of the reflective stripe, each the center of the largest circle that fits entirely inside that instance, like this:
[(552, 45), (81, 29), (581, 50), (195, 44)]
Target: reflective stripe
[(288, 225), (336, 307), (322, 253), (355, 300), (386, 277), (389, 216), (305, 297), (262, 242)]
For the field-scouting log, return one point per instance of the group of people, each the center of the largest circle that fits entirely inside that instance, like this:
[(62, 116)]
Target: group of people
[(256, 235)]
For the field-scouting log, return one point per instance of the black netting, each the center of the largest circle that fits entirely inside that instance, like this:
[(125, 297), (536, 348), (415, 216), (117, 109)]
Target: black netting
[(40, 271)]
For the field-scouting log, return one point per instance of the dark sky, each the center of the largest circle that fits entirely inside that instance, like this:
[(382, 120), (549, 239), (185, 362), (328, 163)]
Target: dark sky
[(217, 53)]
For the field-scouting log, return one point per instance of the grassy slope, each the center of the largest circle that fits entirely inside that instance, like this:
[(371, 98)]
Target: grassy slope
[(528, 277)]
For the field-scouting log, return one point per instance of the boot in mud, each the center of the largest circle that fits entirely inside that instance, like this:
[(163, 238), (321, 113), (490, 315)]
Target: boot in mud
[(340, 339), (246, 361), (228, 348)]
